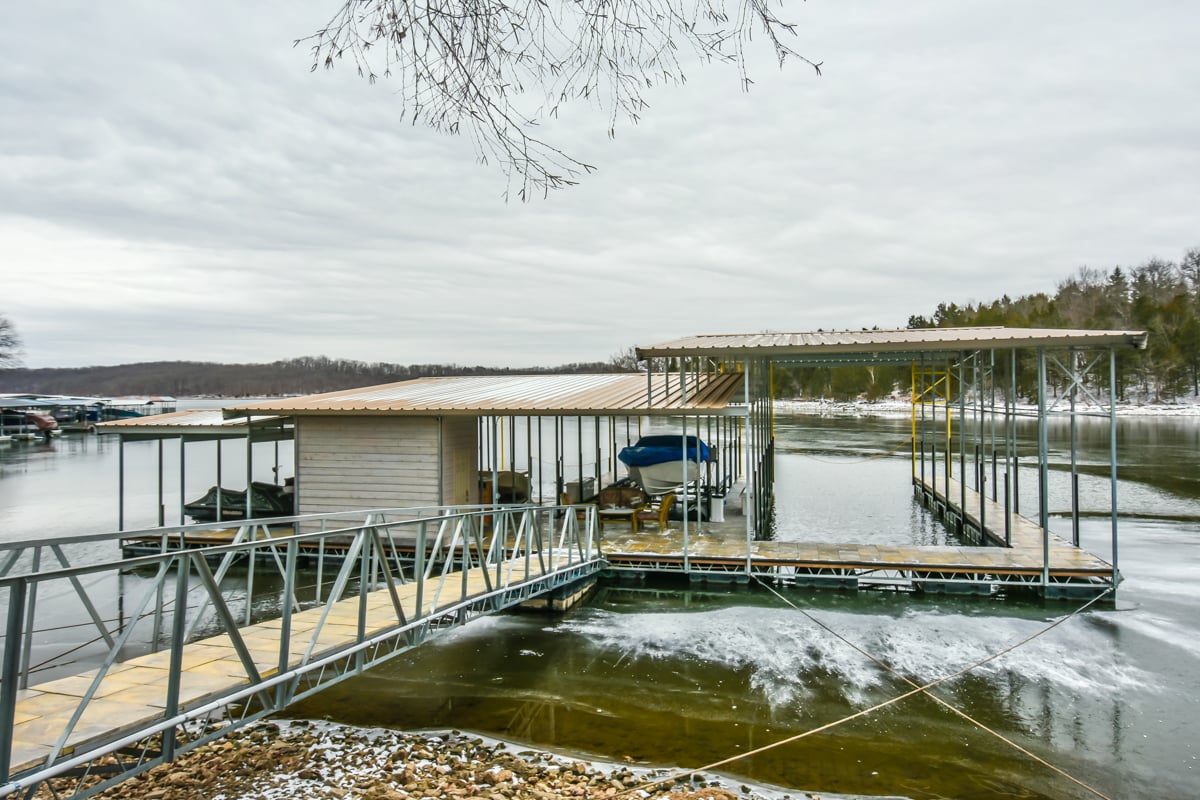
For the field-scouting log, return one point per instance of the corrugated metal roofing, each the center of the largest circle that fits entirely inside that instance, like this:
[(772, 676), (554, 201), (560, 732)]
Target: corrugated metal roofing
[(868, 342), (606, 395), (178, 422)]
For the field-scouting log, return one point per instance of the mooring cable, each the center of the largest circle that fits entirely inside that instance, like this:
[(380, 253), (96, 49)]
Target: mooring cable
[(917, 689), (886, 667)]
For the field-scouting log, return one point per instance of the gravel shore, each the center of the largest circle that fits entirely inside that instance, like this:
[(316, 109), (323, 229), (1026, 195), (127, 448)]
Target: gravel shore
[(302, 759)]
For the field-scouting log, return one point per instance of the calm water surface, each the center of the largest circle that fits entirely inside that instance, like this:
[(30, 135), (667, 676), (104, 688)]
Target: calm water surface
[(666, 674)]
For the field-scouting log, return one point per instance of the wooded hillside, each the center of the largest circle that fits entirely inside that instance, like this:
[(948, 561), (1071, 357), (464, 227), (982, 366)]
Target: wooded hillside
[(308, 375), (1160, 297)]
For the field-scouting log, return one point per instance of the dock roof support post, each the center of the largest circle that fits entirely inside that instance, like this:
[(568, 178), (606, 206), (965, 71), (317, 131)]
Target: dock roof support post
[(182, 477), (220, 514), (249, 469), (948, 458), (746, 507), (296, 487), (683, 463), (1075, 378), (1112, 454), (933, 430), (120, 483), (162, 510), (962, 444), (992, 420), (1043, 467), (495, 459), (1010, 449)]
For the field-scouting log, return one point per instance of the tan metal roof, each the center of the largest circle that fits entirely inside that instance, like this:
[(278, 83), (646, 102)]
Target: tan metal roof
[(872, 342), (199, 421), (533, 395)]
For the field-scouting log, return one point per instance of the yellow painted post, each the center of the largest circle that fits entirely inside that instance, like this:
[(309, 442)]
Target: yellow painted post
[(949, 429), (912, 394)]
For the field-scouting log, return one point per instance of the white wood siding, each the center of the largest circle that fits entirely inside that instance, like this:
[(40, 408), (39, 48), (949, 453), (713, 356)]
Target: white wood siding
[(460, 468), (349, 463)]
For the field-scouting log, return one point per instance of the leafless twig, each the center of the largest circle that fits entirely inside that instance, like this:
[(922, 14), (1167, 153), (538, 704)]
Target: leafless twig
[(466, 64)]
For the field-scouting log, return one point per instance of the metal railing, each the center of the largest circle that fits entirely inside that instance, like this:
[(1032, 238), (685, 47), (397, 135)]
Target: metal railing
[(89, 642)]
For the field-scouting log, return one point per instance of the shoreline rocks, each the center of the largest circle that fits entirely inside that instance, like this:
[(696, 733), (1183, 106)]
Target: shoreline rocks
[(301, 759)]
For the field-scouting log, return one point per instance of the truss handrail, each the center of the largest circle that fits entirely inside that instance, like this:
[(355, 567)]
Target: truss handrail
[(481, 560)]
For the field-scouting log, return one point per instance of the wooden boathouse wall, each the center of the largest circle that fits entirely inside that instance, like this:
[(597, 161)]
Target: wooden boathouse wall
[(346, 462)]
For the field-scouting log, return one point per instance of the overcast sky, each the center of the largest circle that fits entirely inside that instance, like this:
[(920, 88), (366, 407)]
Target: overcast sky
[(176, 185)]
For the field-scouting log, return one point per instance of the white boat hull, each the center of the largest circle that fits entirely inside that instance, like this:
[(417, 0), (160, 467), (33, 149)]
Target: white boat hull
[(664, 477)]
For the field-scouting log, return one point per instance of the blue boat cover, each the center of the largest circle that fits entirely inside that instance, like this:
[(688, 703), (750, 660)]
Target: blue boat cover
[(663, 447)]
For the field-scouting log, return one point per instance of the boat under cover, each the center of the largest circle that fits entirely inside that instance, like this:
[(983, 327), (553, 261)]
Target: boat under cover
[(664, 462), (269, 500)]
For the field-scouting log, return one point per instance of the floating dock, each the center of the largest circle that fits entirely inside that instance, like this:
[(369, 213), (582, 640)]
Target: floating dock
[(1037, 561)]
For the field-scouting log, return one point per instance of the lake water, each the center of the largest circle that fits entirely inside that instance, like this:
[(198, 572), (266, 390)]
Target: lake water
[(661, 673)]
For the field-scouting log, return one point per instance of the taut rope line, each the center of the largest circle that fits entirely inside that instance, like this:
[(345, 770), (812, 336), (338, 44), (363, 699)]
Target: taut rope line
[(917, 689)]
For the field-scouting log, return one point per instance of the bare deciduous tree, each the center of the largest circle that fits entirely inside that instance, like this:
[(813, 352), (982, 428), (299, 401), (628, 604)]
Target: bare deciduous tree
[(10, 344), (500, 68)]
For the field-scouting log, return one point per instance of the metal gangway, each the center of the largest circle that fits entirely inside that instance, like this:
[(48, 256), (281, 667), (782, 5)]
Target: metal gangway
[(114, 664)]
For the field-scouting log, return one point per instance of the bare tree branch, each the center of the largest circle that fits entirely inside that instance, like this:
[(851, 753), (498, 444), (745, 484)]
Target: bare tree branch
[(467, 64)]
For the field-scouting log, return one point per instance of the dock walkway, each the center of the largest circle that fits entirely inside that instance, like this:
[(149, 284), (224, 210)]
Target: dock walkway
[(132, 694), (144, 707), (716, 548)]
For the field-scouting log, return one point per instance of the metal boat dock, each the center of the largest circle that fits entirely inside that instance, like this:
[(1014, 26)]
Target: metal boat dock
[(1037, 560)]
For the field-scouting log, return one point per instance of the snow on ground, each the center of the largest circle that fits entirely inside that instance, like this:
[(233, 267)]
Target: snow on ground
[(901, 407)]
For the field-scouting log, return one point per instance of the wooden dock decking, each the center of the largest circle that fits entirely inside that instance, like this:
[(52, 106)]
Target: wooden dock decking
[(723, 547), (133, 693)]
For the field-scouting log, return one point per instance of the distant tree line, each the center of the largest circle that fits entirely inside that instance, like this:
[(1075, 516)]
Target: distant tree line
[(1160, 297), (306, 375)]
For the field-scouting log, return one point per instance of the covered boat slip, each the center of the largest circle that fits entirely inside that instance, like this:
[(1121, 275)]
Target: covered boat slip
[(555, 439), (965, 455), (190, 427), (543, 439)]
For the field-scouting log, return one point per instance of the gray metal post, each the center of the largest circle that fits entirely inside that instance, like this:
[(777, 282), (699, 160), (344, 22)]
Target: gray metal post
[(9, 679), (1043, 468), (933, 437), (249, 469), (220, 513), (1074, 448), (746, 500), (175, 676), (283, 690), (182, 477), (296, 469), (495, 459), (922, 396), (1112, 453), (419, 566), (162, 509), (948, 458), (962, 447), (684, 464), (992, 420), (120, 483), (30, 615)]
